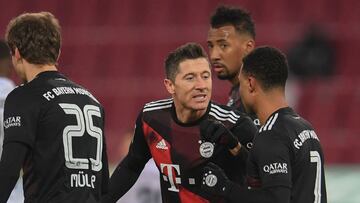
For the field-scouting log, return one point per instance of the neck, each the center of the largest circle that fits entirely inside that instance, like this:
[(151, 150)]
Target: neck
[(185, 115), (234, 81), (32, 70), (269, 103)]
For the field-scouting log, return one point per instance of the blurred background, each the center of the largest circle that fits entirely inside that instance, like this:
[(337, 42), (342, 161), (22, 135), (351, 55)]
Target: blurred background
[(116, 49)]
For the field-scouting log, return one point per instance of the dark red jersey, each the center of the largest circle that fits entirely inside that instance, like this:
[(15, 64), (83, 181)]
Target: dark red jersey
[(177, 151)]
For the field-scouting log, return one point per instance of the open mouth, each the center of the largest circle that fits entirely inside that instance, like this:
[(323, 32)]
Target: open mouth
[(200, 97), (218, 68)]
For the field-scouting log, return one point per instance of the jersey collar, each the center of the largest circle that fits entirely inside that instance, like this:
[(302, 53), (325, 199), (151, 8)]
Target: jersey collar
[(46, 74)]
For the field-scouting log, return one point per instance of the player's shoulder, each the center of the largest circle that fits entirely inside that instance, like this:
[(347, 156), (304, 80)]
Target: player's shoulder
[(271, 125), (158, 105), (19, 93), (216, 105), (81, 90), (283, 122), (224, 113), (21, 99), (272, 131)]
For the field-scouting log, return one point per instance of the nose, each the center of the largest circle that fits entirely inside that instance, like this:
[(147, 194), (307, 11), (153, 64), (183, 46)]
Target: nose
[(200, 84)]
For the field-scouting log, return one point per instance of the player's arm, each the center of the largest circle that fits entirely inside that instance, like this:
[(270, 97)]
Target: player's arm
[(272, 155), (233, 192), (216, 132), (105, 168), (278, 194), (237, 140), (128, 171), (10, 167), (244, 131), (105, 173), (19, 137)]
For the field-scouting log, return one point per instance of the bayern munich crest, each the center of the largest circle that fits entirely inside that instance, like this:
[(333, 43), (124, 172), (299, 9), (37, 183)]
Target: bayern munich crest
[(211, 180), (206, 149)]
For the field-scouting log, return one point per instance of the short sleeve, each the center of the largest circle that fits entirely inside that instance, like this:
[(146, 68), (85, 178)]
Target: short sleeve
[(272, 155), (20, 118)]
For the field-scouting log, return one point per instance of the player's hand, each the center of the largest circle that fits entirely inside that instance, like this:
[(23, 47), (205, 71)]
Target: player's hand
[(215, 132), (215, 181)]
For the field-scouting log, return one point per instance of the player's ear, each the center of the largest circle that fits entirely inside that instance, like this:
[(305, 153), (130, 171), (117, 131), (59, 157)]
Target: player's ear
[(250, 45), (252, 84), (17, 54), (169, 86), (16, 57)]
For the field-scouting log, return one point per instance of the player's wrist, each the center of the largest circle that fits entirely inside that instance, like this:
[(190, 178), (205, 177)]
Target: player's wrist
[(231, 141), (235, 150)]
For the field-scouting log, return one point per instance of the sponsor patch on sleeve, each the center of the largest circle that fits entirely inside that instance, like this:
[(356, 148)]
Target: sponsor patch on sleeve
[(14, 121), (275, 168)]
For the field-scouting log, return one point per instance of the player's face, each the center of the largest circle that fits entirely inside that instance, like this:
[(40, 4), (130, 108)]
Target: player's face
[(227, 48), (245, 92), (192, 86)]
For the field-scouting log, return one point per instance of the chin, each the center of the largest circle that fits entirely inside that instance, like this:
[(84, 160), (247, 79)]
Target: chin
[(199, 107), (222, 77)]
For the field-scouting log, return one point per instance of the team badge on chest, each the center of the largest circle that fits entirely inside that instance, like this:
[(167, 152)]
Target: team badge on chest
[(206, 149)]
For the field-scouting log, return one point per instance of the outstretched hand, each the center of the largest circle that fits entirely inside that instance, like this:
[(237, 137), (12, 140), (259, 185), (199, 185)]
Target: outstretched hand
[(215, 132)]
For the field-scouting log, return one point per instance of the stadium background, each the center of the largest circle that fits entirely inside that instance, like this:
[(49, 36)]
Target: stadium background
[(116, 49)]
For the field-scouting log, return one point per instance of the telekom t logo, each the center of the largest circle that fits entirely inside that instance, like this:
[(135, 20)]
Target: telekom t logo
[(170, 176)]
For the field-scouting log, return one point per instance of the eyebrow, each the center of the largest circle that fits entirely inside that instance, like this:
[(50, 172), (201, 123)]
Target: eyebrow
[(217, 41), (221, 40), (188, 74), (192, 73)]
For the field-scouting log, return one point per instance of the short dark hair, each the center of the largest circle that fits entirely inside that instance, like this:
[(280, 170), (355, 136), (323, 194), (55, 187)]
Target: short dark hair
[(182, 53), (237, 17), (36, 36), (4, 50), (268, 65)]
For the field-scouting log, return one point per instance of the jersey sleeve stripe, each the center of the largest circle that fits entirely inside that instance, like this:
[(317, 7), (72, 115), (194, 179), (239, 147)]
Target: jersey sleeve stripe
[(157, 104), (268, 123), (225, 116), (220, 118), (261, 129), (225, 111), (159, 101), (156, 108), (273, 121)]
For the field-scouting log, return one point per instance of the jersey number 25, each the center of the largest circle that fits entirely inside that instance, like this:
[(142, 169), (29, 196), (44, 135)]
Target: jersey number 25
[(84, 121)]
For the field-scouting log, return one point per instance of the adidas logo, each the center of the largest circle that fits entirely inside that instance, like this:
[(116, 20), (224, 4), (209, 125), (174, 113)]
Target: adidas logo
[(161, 145)]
